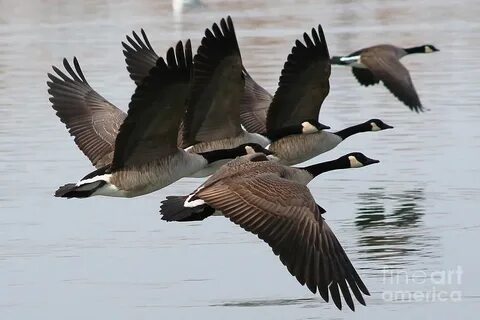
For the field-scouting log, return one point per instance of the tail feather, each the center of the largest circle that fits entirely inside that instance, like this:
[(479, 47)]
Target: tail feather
[(172, 209), (71, 190)]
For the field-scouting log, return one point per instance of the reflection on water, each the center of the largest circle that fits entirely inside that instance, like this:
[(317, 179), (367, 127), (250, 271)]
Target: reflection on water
[(391, 227), (266, 302), (408, 209)]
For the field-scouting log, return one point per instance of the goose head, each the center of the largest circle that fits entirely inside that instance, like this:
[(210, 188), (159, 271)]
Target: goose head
[(305, 127), (377, 125), (367, 126), (426, 48), (357, 160), (312, 126), (350, 160), (429, 48)]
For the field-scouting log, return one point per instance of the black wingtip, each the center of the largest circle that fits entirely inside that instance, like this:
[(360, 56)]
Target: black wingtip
[(63, 191), (173, 209)]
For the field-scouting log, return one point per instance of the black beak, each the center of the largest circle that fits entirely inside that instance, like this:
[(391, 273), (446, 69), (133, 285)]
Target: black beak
[(321, 126), (370, 161), (386, 126)]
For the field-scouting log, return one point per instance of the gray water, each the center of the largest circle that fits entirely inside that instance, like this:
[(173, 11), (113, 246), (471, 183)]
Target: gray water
[(406, 223)]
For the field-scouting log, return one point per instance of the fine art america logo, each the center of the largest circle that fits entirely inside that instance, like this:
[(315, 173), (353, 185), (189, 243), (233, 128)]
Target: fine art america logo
[(422, 286)]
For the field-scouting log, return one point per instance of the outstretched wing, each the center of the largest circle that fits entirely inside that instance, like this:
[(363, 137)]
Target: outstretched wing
[(213, 110), (254, 106), (150, 130), (139, 56), (365, 77), (388, 68), (91, 119), (288, 219), (304, 83)]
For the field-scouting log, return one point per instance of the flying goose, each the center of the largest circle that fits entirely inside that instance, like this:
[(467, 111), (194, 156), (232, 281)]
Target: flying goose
[(382, 63), (145, 153), (212, 118), (303, 86), (89, 117), (293, 114), (272, 201), (174, 208), (94, 122)]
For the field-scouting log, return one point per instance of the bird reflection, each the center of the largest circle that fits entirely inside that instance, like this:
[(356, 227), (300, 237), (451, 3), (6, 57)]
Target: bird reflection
[(391, 226)]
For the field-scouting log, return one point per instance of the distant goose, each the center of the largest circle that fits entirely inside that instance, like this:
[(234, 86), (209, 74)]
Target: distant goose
[(292, 114), (382, 63), (145, 153), (272, 201)]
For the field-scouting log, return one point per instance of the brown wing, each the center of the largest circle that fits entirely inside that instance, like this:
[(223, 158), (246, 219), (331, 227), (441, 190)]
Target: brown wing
[(385, 66), (150, 130), (365, 77), (254, 106), (304, 83), (90, 118), (213, 110), (139, 56), (284, 214)]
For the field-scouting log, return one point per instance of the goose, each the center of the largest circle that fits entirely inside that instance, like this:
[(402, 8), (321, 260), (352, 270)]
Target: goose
[(212, 119), (292, 114), (95, 122), (382, 63), (145, 153), (174, 208), (272, 201), (303, 86)]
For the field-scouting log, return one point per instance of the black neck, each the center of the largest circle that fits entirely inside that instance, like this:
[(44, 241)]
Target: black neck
[(322, 167), (277, 134), (222, 154), (347, 132), (420, 49)]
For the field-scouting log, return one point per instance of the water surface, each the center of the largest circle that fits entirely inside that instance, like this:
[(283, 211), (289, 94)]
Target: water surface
[(404, 223)]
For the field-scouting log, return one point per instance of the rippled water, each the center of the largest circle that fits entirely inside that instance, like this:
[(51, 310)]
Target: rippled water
[(405, 222)]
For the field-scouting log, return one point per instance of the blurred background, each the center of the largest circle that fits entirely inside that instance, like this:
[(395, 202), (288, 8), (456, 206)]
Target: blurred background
[(404, 223)]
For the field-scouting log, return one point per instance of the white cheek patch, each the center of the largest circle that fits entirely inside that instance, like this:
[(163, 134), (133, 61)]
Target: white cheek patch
[(307, 128), (249, 150), (354, 163), (428, 50), (375, 127)]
